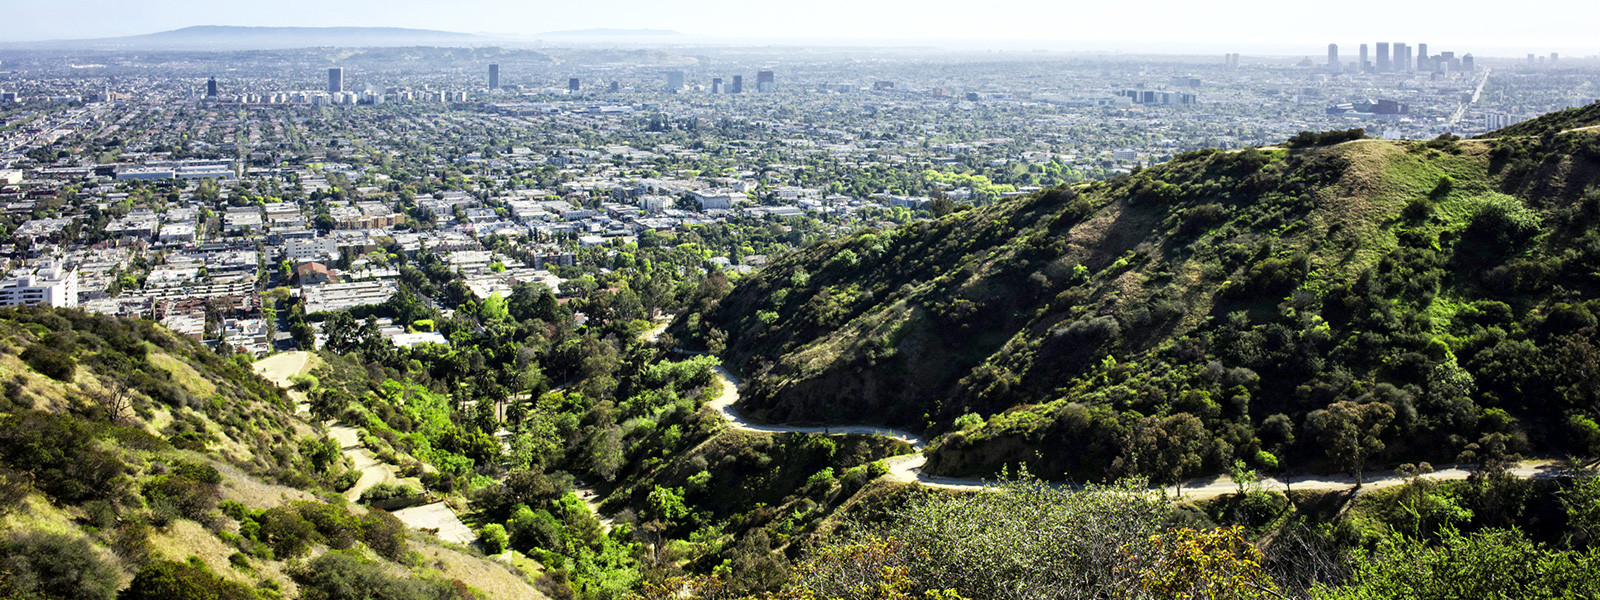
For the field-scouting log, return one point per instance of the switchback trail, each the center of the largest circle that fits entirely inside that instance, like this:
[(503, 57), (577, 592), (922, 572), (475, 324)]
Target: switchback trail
[(908, 468)]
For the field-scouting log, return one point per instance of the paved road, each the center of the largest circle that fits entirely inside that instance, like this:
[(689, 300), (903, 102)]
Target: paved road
[(908, 468)]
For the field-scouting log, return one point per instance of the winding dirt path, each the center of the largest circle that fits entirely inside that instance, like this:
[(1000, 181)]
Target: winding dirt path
[(908, 468), (438, 517)]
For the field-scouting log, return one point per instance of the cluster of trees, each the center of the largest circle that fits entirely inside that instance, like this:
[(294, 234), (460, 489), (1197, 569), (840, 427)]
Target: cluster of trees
[(1307, 139)]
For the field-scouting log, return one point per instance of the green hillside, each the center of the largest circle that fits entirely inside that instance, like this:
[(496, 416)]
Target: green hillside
[(136, 463), (1363, 302)]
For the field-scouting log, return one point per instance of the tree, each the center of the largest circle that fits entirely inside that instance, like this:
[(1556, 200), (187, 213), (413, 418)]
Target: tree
[(1350, 433)]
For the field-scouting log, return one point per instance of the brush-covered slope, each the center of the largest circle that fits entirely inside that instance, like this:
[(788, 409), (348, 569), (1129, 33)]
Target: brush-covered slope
[(1439, 297), (138, 462)]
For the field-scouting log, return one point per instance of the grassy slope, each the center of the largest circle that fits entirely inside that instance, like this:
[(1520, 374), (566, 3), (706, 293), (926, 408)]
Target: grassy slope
[(249, 434), (972, 313)]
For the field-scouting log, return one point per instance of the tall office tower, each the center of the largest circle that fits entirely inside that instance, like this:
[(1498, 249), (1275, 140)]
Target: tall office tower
[(1333, 56), (766, 82), (615, 87), (335, 80), (716, 85), (674, 81), (572, 84), (494, 76), (1531, 60), (1554, 56), (211, 88), (738, 85), (1384, 66), (1422, 51), (1467, 64), (1402, 57), (1365, 65)]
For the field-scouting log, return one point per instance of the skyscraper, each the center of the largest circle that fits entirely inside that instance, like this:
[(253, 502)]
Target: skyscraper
[(211, 88), (674, 81), (1384, 66), (1365, 65), (716, 85), (1402, 57), (1554, 56), (766, 83), (572, 85), (494, 76), (738, 85), (1333, 56), (335, 80)]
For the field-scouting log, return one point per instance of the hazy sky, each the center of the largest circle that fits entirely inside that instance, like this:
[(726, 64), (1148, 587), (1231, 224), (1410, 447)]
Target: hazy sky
[(1543, 25)]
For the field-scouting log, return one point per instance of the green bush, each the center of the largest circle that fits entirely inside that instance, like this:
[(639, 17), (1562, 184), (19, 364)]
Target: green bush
[(387, 491), (384, 534), (168, 580), (345, 575), (41, 564), (494, 539), (63, 456), (50, 362), (534, 529), (289, 534)]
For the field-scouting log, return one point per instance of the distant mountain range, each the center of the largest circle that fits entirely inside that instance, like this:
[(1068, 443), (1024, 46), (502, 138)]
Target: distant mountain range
[(610, 33), (225, 37)]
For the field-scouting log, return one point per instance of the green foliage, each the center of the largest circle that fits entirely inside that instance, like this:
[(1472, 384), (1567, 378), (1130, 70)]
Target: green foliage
[(168, 580), (53, 363), (1491, 564), (42, 564), (494, 539), (1028, 537), (1306, 139), (63, 456), (344, 575)]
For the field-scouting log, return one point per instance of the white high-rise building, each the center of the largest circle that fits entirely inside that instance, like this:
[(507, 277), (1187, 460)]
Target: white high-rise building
[(51, 284)]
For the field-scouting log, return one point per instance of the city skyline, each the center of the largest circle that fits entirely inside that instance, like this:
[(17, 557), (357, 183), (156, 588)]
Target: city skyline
[(1167, 26)]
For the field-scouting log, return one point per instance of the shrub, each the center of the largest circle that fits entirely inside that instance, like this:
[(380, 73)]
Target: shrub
[(344, 575), (534, 529), (283, 529), (384, 534), (41, 564), (387, 491), (1503, 222), (50, 362), (168, 580), (62, 455), (494, 539)]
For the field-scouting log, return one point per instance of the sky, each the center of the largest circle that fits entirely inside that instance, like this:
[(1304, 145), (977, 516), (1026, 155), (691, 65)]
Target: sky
[(1116, 25)]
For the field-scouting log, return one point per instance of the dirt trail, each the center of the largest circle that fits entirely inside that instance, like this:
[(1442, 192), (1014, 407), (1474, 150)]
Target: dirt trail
[(278, 369), (908, 468), (439, 517)]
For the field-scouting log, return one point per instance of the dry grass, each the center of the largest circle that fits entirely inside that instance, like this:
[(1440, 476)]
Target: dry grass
[(184, 374), (497, 581), (249, 491), (37, 513)]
